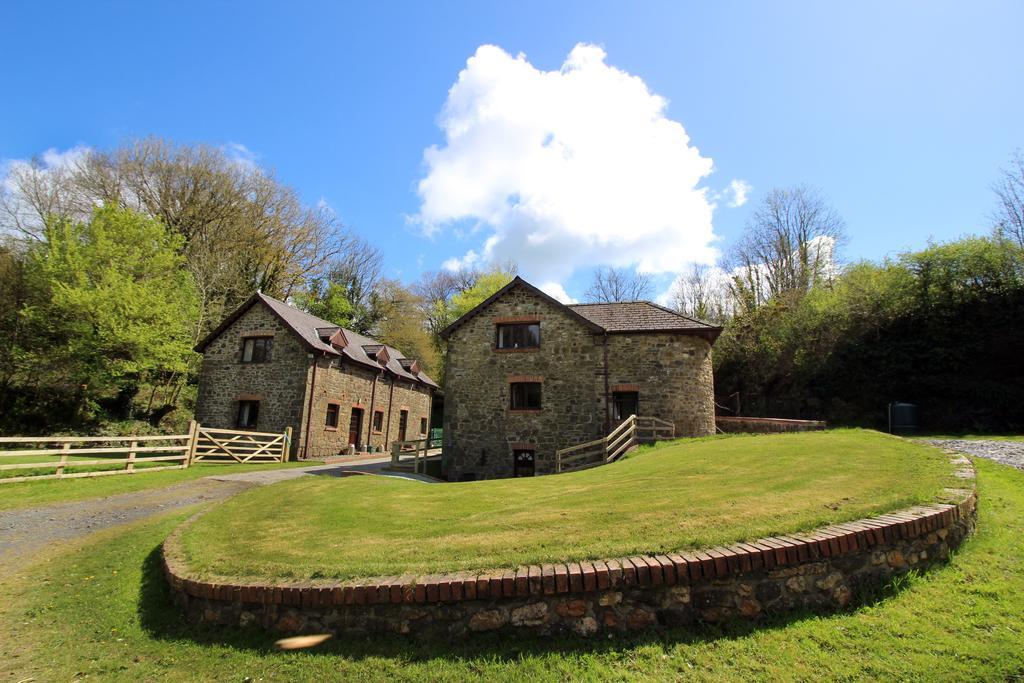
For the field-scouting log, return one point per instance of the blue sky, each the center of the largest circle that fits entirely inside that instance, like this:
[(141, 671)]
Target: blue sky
[(901, 113)]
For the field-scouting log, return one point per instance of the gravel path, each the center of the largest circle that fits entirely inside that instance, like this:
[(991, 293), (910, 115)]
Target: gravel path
[(24, 532), (1005, 452)]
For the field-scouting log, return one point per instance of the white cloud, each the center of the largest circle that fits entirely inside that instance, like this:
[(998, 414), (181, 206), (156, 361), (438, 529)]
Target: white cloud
[(241, 155), (556, 290), (565, 169), (465, 262), (739, 189)]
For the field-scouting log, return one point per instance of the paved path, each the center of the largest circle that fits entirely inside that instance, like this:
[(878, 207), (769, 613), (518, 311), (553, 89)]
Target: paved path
[(24, 532), (1006, 452)]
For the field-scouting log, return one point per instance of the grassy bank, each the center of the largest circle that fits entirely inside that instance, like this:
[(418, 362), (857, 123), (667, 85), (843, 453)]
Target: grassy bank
[(102, 612), (687, 494)]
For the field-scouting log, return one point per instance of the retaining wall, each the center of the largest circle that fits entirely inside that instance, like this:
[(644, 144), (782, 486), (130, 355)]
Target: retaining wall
[(766, 425), (821, 570)]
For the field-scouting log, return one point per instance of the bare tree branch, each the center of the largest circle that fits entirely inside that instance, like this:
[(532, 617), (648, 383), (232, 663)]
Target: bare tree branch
[(615, 284)]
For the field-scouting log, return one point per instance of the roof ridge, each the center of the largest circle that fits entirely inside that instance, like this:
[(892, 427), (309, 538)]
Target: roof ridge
[(612, 303)]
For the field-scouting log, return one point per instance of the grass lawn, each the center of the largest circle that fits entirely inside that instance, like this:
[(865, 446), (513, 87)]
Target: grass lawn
[(690, 494), (32, 493), (101, 611)]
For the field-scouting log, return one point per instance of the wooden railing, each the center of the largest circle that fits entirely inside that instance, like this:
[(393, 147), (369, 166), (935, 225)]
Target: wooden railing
[(416, 451), (232, 445), (49, 457), (634, 430)]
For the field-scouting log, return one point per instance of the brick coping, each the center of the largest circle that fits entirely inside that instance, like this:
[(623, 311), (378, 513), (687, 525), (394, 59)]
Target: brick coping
[(546, 579)]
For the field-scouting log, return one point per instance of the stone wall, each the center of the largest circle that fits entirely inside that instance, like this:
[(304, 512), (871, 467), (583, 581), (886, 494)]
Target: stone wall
[(351, 385), (673, 375), (767, 425), (279, 385), (822, 570), (480, 430), (671, 372)]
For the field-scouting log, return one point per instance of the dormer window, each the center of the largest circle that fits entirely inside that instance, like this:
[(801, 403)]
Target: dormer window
[(257, 349), (519, 336)]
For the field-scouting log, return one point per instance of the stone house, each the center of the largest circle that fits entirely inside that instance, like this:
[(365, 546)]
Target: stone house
[(269, 366), (528, 375)]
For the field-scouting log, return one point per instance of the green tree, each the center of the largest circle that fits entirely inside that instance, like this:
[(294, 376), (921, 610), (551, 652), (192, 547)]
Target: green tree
[(111, 306)]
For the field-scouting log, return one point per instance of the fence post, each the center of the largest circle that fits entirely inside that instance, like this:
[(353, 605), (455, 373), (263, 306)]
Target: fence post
[(63, 458), (286, 447), (130, 465), (193, 441), (396, 447)]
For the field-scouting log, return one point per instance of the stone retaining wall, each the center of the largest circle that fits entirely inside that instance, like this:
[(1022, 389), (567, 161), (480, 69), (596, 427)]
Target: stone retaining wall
[(766, 425), (822, 570)]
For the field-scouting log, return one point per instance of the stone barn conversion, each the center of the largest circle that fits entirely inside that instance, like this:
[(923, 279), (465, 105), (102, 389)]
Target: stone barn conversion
[(269, 366), (528, 375)]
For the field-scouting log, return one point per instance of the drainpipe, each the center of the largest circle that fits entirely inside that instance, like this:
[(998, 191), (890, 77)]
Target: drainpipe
[(607, 396), (373, 396), (391, 399), (309, 412)]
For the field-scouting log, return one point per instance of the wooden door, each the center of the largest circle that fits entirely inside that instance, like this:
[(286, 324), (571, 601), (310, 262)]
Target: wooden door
[(403, 424), (355, 426)]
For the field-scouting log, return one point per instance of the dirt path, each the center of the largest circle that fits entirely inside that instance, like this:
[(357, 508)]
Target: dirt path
[(24, 532), (27, 531), (1005, 452)]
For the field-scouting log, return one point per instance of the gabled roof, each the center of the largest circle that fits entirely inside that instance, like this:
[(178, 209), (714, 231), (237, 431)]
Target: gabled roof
[(516, 282), (611, 318), (317, 335)]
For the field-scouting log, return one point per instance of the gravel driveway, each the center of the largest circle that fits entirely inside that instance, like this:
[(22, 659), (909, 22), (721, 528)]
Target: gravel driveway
[(25, 532), (1006, 452)]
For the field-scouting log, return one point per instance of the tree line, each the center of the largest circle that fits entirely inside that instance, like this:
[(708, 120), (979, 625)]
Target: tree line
[(115, 264)]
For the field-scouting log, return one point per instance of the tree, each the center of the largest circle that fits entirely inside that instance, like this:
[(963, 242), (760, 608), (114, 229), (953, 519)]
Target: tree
[(788, 246), (702, 292), (1009, 216), (216, 203), (615, 284), (401, 324), (110, 307)]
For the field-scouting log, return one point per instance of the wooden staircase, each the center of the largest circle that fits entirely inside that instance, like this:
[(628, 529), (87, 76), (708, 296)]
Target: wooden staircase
[(633, 431)]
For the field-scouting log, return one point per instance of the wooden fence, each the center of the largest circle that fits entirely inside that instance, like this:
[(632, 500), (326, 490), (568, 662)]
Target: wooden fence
[(633, 430), (414, 453), (49, 457)]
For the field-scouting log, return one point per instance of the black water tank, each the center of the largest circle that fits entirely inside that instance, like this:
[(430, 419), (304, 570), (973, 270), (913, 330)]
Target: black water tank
[(903, 418)]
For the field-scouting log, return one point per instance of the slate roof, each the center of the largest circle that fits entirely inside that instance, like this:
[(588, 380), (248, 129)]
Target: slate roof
[(638, 316), (313, 331), (622, 317)]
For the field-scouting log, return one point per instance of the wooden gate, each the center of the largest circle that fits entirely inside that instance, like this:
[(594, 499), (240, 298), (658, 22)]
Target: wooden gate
[(232, 445)]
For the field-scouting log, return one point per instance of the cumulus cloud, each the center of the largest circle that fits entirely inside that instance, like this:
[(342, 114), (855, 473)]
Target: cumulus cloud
[(556, 290), (565, 169)]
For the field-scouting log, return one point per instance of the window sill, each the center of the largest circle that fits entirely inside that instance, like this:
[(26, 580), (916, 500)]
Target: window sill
[(378, 433), (330, 429), (532, 349), (525, 411)]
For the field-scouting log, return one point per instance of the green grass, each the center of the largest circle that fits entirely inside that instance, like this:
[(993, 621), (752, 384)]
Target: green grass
[(697, 493), (101, 612), (34, 493)]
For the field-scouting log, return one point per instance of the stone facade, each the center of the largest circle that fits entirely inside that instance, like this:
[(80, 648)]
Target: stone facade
[(298, 384), (822, 571), (279, 386), (579, 368), (354, 387)]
